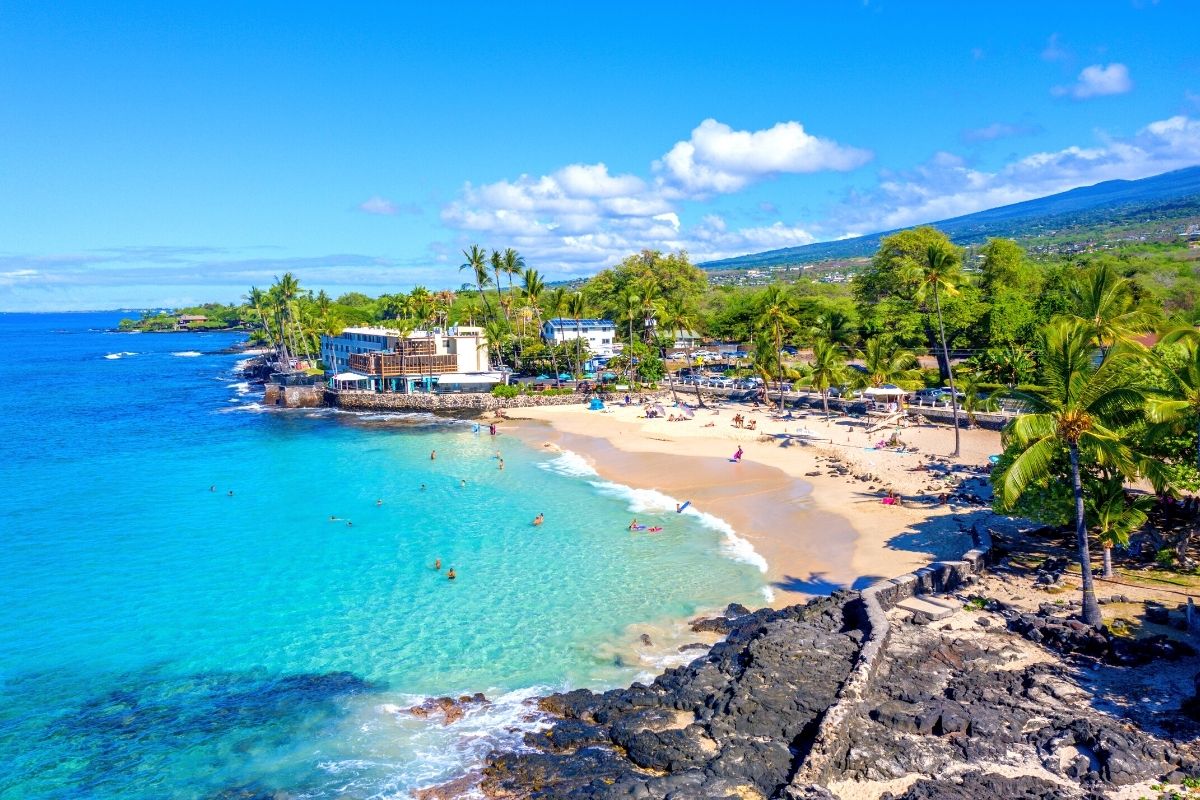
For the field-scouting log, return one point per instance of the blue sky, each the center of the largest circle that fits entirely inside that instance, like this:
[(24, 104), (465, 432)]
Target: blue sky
[(161, 153)]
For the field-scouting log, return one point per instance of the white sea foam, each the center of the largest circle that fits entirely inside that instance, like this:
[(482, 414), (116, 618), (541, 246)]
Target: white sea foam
[(652, 501), (436, 752), (257, 408), (187, 354), (241, 387), (115, 356), (569, 464), (241, 364)]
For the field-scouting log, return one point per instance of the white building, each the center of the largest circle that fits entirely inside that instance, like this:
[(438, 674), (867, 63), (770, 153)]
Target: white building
[(599, 335), (384, 360)]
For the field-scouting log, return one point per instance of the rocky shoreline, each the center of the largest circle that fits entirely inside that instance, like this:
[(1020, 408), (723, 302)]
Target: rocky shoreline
[(969, 709), (856, 696)]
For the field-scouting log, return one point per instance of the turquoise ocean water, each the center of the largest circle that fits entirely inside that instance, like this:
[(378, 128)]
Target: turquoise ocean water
[(161, 640)]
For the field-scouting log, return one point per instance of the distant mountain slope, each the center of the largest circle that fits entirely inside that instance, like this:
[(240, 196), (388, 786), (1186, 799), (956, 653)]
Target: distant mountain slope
[(1031, 217)]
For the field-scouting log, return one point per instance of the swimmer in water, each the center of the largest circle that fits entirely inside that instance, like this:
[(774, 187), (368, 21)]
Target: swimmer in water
[(212, 488), (231, 492), (378, 502), (501, 462), (332, 518), (463, 483), (633, 525), (349, 524), (422, 487), (432, 455), (437, 564), (539, 519), (450, 575)]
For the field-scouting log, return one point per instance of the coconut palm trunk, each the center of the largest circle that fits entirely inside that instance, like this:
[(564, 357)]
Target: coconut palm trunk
[(691, 363), (937, 304), (1091, 608)]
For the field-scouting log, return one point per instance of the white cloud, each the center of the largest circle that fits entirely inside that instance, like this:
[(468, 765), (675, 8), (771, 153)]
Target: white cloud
[(581, 217), (947, 186), (1055, 51), (998, 130), (378, 205), (718, 159), (1097, 81)]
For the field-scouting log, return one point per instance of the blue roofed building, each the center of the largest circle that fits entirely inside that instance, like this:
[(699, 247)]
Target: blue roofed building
[(599, 335)]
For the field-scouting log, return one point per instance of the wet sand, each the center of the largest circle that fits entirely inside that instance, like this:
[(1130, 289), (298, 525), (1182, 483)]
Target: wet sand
[(817, 533)]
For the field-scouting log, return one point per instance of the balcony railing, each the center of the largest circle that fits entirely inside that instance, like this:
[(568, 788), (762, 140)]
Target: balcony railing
[(390, 365)]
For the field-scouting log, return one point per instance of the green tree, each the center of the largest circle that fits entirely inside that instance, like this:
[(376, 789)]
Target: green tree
[(1078, 410), (673, 314), (941, 272), (885, 361), (1177, 406), (497, 262), (1113, 516), (827, 369), (576, 309), (775, 317), (476, 263), (1104, 302)]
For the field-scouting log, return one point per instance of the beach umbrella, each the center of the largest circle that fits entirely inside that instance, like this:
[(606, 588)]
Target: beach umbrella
[(658, 409)]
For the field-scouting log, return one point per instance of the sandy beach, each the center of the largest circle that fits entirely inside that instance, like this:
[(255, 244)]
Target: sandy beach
[(798, 494)]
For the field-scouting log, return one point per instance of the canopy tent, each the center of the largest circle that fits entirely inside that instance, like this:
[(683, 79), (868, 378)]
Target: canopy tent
[(887, 390), (349, 376)]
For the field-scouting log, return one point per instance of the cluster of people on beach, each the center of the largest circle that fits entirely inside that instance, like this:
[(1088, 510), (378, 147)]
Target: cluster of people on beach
[(740, 422)]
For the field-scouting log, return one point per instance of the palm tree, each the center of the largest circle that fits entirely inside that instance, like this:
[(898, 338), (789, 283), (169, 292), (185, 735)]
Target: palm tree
[(258, 299), (1010, 364), (1103, 301), (1075, 411), (1179, 404), (477, 263), (511, 264), (576, 308), (775, 316), (650, 292), (833, 326), (1113, 516), (973, 400), (828, 368), (497, 261), (286, 289), (673, 315), (884, 361), (631, 306), (495, 330), (556, 302), (941, 272)]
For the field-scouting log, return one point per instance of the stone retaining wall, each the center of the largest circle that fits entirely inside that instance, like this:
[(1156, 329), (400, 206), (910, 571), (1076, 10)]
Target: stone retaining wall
[(446, 403), (831, 744), (293, 396)]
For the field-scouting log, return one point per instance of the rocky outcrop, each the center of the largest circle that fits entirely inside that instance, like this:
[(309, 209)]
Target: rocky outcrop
[(942, 703), (1072, 637), (733, 723)]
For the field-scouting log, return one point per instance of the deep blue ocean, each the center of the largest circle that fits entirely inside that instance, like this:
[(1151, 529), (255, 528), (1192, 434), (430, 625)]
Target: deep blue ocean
[(161, 640)]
